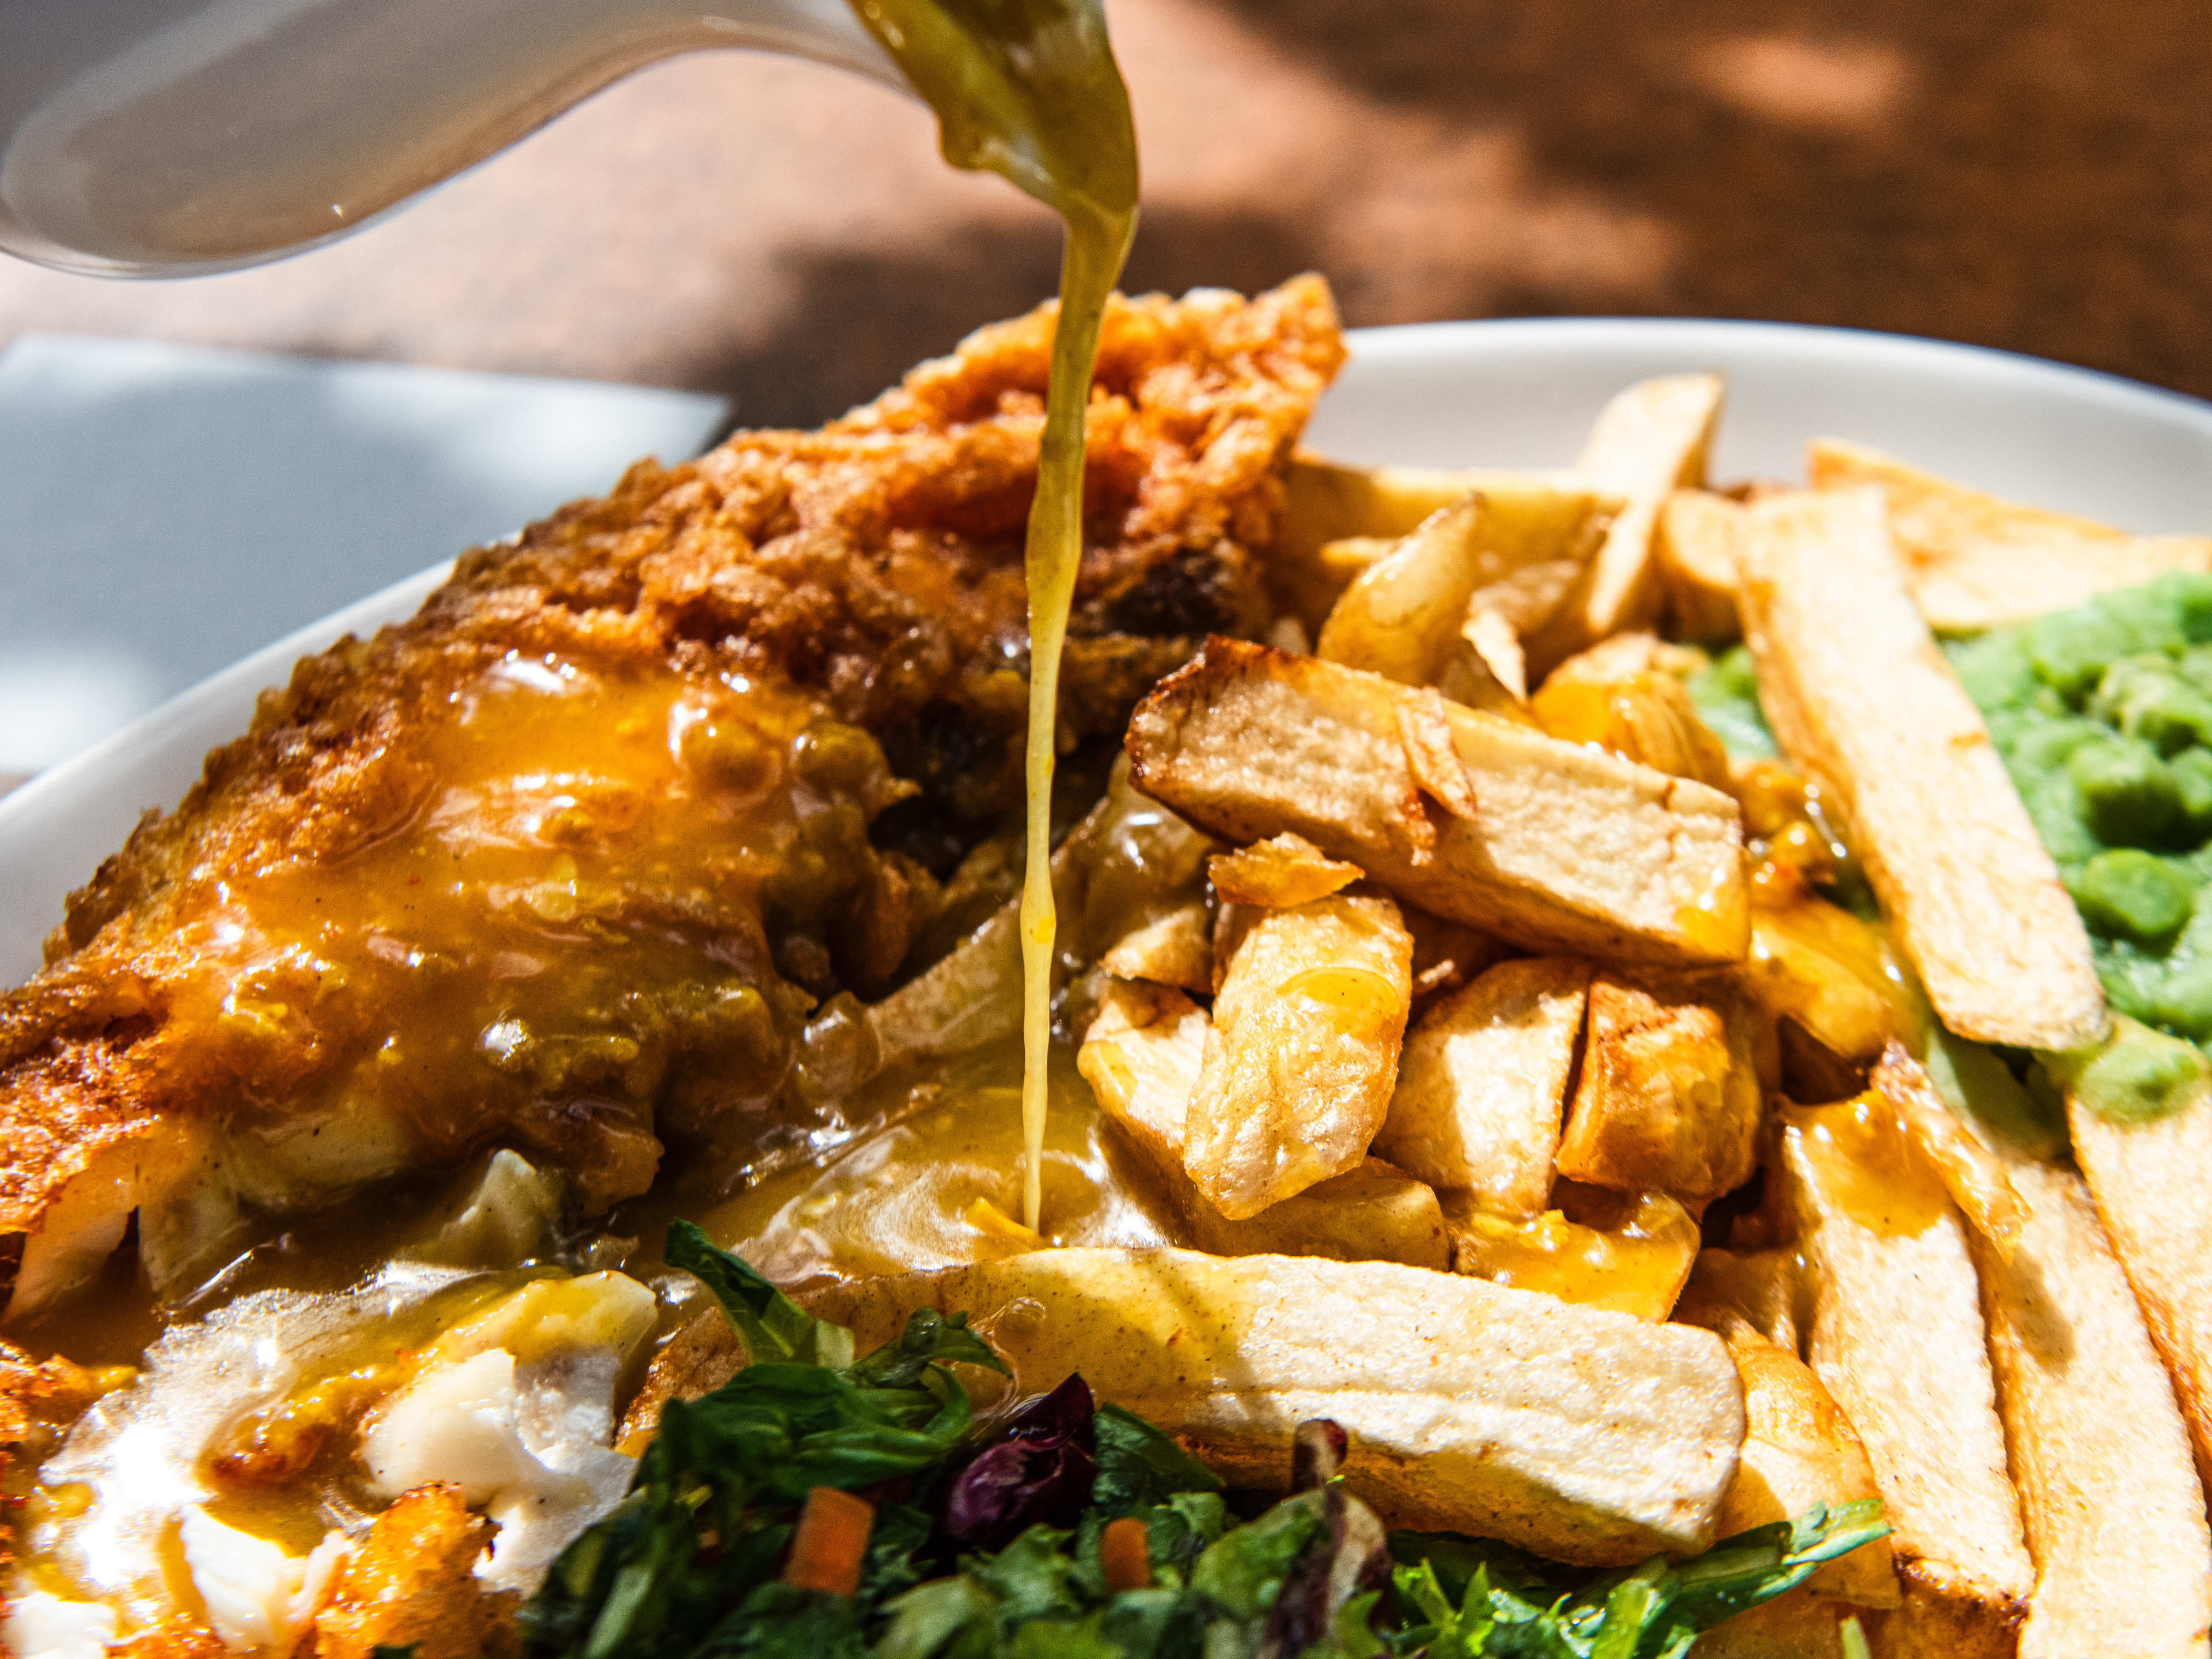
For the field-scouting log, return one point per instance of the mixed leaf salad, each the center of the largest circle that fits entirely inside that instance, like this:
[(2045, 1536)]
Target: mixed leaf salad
[(824, 1507)]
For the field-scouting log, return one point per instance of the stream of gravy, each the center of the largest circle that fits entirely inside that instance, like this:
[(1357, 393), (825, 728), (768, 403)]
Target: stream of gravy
[(1028, 88)]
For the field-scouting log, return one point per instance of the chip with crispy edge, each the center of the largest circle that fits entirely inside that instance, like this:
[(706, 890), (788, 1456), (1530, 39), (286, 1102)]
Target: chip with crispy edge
[(1789, 977), (1303, 1053), (2089, 1414), (1279, 872), (1431, 755), (1974, 1176), (1175, 948), (1695, 553), (2153, 1183), (1648, 441), (1630, 1252), (1571, 849), (1482, 1082), (1646, 717), (1141, 1057), (1339, 519), (1799, 1449), (1374, 1212), (1973, 561), (1587, 1436), (1669, 1096), (1860, 699), (1897, 1336), (1764, 1286), (1403, 616)]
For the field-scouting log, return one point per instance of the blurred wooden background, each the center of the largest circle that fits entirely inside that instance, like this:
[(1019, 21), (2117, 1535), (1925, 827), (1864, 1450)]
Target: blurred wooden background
[(2035, 175)]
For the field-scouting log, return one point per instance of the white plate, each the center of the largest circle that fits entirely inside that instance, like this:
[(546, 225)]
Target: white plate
[(1498, 393)]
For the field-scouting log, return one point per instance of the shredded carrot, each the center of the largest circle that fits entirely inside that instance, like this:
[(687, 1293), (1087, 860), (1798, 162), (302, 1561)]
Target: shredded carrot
[(829, 1541), (1124, 1555)]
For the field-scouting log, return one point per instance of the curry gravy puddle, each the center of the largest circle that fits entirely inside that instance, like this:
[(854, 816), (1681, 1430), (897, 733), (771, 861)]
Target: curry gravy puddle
[(567, 941), (570, 943), (941, 1184)]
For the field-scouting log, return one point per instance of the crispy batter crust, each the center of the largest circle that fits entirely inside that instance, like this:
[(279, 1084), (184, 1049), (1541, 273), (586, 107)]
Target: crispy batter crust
[(410, 1584), (874, 565)]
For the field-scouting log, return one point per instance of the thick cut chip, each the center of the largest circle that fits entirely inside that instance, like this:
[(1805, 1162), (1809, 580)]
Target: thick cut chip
[(1497, 643), (1648, 441), (1175, 948), (2089, 1415), (1585, 1436), (1799, 1449), (1280, 872), (1304, 1052), (1762, 1287), (1862, 699), (1790, 977), (1499, 615), (1141, 1057), (1973, 562), (1482, 1084), (1668, 1098), (1571, 849), (1645, 717), (1897, 1335), (1376, 1212), (1402, 617), (1338, 519), (1325, 501), (1696, 555), (1311, 585), (1974, 1176), (2153, 1183), (1623, 656)]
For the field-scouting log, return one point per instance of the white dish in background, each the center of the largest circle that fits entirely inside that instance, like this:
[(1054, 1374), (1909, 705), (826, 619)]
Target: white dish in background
[(165, 509), (1442, 394)]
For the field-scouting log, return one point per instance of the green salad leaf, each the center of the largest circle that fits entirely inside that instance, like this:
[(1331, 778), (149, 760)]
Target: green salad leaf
[(1139, 1467), (687, 1566), (685, 1563), (771, 1325), (1478, 1598)]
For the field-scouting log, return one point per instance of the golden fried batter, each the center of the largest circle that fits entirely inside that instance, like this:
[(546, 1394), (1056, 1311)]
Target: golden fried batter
[(409, 1585), (566, 860)]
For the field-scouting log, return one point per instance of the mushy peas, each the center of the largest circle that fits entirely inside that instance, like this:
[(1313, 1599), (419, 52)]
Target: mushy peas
[(2103, 716)]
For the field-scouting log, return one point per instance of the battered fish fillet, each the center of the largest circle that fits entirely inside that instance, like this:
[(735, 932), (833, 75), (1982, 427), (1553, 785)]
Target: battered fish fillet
[(567, 860)]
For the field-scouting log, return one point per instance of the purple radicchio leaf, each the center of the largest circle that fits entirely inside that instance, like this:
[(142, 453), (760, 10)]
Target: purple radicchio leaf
[(1350, 1556), (1040, 1470), (1317, 1451)]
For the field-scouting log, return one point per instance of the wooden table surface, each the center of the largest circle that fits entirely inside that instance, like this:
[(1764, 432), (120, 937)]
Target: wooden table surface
[(2035, 175)]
